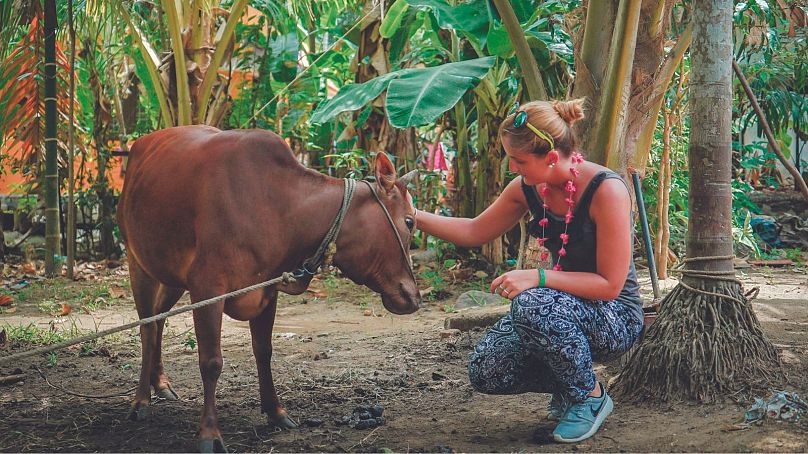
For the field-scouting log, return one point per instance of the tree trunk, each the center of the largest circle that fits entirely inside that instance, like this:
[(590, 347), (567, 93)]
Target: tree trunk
[(52, 237), (613, 134), (590, 63), (71, 203), (530, 70), (101, 120), (651, 81), (611, 112), (723, 350), (182, 91)]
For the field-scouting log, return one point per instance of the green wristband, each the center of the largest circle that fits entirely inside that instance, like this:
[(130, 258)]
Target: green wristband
[(541, 278)]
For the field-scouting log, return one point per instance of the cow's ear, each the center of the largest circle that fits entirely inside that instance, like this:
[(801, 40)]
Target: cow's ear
[(385, 172)]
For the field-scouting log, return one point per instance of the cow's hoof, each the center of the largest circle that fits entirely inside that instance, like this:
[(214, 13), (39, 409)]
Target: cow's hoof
[(283, 422), (215, 445), (139, 412), (167, 394)]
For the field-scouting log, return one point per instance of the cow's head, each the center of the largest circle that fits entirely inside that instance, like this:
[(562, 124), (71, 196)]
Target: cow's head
[(368, 251)]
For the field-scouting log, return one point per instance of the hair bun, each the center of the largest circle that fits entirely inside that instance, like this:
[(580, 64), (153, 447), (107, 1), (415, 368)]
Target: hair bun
[(570, 111)]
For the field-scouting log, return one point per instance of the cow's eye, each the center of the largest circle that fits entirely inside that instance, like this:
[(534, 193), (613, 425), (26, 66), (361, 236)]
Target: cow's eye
[(410, 222)]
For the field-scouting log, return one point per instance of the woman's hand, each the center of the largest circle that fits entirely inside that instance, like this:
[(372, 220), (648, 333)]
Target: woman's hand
[(515, 282)]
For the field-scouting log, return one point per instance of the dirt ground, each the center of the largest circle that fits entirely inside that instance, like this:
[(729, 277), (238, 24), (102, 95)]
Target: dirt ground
[(336, 348)]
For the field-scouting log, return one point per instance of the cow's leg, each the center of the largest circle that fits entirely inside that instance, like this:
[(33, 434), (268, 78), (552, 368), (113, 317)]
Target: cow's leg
[(167, 297), (208, 327), (261, 330), (144, 290)]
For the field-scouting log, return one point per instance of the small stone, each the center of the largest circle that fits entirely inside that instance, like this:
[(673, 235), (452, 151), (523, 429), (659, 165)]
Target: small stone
[(367, 313), (376, 411), (321, 355), (449, 333)]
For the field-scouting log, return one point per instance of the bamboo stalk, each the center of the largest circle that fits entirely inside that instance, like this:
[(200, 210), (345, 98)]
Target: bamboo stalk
[(51, 176), (71, 150), (798, 181)]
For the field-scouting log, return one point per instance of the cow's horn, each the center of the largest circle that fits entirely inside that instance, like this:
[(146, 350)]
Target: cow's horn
[(409, 177)]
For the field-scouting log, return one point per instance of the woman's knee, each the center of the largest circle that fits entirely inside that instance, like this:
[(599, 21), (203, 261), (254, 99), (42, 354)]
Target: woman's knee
[(538, 309), (481, 377)]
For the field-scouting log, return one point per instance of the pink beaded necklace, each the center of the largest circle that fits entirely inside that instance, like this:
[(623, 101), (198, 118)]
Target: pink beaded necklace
[(570, 189)]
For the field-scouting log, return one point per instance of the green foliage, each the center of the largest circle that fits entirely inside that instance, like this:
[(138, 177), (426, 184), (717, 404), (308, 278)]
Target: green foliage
[(190, 341), (774, 63), (33, 335), (349, 164)]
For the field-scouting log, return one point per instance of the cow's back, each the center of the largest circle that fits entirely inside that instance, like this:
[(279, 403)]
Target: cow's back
[(192, 183)]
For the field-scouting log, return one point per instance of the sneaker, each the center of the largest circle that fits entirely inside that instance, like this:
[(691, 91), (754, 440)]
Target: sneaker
[(557, 407), (582, 420)]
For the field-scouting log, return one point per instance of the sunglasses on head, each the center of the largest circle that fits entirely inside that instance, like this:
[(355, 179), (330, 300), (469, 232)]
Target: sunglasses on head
[(520, 121)]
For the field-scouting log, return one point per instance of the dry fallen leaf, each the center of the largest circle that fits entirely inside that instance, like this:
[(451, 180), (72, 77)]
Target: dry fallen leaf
[(28, 268), (65, 309), (6, 300), (367, 313), (117, 292)]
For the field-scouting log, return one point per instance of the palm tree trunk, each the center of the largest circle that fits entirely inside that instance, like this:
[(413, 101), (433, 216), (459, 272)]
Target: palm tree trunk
[(52, 237), (723, 351)]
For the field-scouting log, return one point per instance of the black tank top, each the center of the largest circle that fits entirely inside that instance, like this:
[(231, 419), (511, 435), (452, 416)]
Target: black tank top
[(581, 248)]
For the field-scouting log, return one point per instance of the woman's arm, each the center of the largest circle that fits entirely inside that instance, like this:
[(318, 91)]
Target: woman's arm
[(610, 209), (500, 216)]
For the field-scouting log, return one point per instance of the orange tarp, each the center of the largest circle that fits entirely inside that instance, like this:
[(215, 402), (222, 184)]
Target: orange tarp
[(10, 183)]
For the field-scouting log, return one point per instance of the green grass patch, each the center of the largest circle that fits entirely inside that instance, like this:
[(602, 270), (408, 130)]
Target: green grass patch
[(35, 335), (48, 296)]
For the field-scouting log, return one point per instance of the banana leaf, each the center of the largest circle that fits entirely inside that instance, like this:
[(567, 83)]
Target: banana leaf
[(418, 97), (393, 19), (353, 97)]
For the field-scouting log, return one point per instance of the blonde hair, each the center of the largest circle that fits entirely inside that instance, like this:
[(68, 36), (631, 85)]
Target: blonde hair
[(553, 117)]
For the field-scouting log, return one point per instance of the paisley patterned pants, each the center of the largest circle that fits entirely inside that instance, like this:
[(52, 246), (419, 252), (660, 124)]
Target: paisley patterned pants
[(547, 344)]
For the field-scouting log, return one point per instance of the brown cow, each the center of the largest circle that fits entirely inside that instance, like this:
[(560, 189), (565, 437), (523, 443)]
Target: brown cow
[(212, 211)]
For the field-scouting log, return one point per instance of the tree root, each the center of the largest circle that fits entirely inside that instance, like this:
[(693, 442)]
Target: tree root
[(703, 347)]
